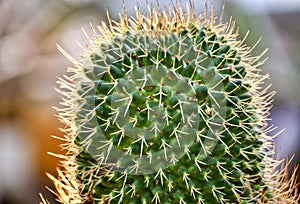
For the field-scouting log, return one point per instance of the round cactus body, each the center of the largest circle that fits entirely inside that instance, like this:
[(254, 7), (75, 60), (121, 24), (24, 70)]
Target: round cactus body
[(168, 109)]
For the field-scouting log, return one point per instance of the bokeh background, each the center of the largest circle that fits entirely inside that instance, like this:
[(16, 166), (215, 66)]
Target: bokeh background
[(30, 64)]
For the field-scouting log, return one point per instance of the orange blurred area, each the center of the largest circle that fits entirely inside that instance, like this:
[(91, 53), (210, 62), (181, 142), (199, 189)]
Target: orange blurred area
[(30, 64)]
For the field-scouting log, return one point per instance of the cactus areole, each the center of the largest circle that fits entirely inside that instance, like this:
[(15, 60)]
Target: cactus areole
[(168, 107)]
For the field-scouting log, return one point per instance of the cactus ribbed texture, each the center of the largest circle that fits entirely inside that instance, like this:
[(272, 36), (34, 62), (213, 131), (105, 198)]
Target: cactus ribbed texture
[(168, 108)]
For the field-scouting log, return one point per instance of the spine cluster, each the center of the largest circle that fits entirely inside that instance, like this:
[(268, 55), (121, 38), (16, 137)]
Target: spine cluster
[(168, 108)]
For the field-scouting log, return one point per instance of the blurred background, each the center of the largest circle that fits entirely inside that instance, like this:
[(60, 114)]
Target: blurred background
[(30, 64)]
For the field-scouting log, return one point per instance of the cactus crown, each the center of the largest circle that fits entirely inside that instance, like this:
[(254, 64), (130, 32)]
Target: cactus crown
[(168, 108)]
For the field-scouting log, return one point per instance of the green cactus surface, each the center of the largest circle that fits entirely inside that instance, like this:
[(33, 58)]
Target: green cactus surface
[(168, 108)]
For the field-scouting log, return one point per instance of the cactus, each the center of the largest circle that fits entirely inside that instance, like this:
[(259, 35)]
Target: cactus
[(168, 108)]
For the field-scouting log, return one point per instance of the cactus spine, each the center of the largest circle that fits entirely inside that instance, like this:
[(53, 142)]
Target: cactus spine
[(168, 108)]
